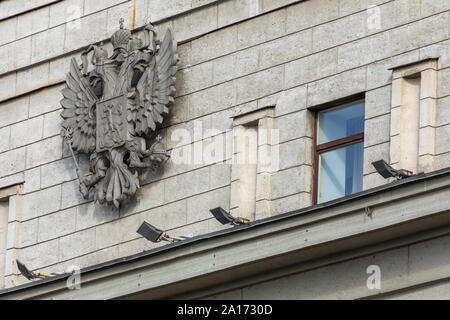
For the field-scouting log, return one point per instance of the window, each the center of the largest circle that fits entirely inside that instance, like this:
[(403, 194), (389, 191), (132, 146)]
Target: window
[(339, 151)]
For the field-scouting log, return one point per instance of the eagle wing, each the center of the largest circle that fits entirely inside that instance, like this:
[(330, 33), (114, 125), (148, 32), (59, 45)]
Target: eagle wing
[(156, 88), (79, 110)]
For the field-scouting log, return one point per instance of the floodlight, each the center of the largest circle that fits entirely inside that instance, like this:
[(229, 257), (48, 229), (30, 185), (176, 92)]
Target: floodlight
[(30, 275), (386, 171), (154, 234), (224, 217)]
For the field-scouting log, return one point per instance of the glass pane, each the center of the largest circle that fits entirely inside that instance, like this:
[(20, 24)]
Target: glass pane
[(340, 172), (340, 122)]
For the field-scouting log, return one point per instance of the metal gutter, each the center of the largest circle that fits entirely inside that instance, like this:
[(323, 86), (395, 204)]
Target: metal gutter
[(212, 253)]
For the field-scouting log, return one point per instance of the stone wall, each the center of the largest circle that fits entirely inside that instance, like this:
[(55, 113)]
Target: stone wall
[(236, 56)]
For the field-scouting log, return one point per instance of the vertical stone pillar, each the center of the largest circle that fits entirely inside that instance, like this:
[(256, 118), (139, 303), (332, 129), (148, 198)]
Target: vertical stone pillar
[(250, 185), (413, 115)]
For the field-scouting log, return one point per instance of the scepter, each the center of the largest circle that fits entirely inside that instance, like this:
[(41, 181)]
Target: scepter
[(68, 135)]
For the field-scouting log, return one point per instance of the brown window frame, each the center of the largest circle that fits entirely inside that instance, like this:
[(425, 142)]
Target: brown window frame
[(331, 145)]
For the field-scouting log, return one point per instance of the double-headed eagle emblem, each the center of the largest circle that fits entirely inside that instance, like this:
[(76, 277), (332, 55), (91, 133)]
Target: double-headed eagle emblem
[(112, 108)]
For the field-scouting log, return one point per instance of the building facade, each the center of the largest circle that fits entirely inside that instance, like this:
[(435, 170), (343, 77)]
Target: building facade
[(281, 107)]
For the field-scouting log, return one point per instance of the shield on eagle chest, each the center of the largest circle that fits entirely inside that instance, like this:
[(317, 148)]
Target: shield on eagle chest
[(111, 123)]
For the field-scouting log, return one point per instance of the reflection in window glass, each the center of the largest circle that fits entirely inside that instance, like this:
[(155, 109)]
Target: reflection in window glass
[(340, 122), (340, 172)]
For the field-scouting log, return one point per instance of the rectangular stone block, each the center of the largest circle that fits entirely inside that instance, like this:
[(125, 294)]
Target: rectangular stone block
[(11, 180), (443, 88), (373, 180), (339, 31), (211, 100), (441, 161), (186, 185), (396, 13), (375, 153), (57, 224), (41, 202), (364, 51), (93, 213), (427, 138), (442, 111), (52, 123), (71, 195), (192, 230), (443, 139), (285, 49), (273, 4), (290, 203), (307, 14), (26, 132), (213, 45), (168, 216), (44, 151), (149, 196), (430, 7), (378, 102), (9, 30), (9, 8), (28, 233), (13, 111), (262, 28), (76, 244), (296, 152), (12, 161), (291, 181), (32, 78), (235, 65), (12, 233), (220, 175), (59, 68), (236, 10), (394, 153), (94, 6), (75, 39), (32, 180), (112, 233), (427, 112), (65, 11), (295, 125), (222, 121), (159, 9), (347, 7), (338, 86), (58, 172), (196, 23), (377, 130), (4, 138), (40, 255), (420, 34), (198, 206), (32, 22), (441, 50), (291, 100), (47, 44), (8, 86), (311, 68), (194, 78), (96, 257), (259, 84), (428, 82)]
